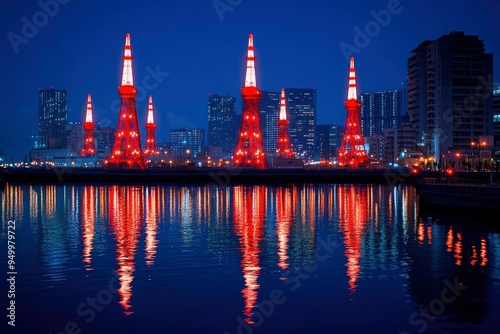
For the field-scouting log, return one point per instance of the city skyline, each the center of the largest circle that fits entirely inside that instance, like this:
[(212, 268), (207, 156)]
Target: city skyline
[(184, 52)]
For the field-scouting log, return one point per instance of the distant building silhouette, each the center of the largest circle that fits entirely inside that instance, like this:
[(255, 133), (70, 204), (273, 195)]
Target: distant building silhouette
[(187, 142), (301, 104), (382, 110), (449, 92), (496, 115), (52, 118), (269, 111), (222, 122), (328, 139)]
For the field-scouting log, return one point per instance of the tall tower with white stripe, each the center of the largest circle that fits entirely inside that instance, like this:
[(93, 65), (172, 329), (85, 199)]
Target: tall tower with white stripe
[(352, 150), (249, 148), (127, 151), (88, 126)]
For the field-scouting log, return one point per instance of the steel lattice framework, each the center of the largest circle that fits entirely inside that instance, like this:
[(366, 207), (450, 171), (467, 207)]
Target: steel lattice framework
[(352, 151), (150, 151), (88, 126), (127, 150), (283, 147), (250, 149)]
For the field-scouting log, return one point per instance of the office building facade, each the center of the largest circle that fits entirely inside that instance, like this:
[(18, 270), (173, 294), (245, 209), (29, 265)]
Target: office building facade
[(187, 143), (222, 122), (449, 92), (52, 119), (301, 104), (269, 114), (382, 110)]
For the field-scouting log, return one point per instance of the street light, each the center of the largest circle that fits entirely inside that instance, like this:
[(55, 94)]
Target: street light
[(479, 145)]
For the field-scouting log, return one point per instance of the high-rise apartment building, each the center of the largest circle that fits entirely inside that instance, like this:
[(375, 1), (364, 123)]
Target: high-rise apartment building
[(382, 110), (496, 115), (449, 92), (222, 122), (52, 118)]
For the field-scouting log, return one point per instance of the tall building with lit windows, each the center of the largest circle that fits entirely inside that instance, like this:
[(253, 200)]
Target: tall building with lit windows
[(301, 103), (187, 142), (269, 113), (382, 110), (450, 81), (52, 118), (496, 115), (222, 122)]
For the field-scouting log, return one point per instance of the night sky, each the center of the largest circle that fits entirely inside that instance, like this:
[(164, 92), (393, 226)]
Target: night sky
[(196, 50)]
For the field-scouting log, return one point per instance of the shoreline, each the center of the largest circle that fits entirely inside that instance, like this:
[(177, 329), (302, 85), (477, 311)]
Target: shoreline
[(211, 176)]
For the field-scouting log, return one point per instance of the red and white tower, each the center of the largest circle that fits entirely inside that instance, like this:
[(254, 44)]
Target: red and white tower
[(127, 150), (249, 149), (89, 143), (352, 151), (283, 148), (150, 150)]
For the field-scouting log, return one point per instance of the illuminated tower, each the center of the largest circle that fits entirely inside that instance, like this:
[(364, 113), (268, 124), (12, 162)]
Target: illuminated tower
[(150, 150), (352, 151), (127, 150), (249, 149), (89, 142), (283, 148)]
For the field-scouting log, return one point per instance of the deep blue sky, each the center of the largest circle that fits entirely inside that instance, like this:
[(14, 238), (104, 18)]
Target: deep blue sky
[(297, 45)]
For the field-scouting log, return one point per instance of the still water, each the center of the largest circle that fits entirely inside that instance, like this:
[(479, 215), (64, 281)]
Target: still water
[(244, 259)]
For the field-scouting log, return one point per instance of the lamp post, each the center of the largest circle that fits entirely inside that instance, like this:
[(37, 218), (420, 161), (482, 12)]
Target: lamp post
[(479, 145)]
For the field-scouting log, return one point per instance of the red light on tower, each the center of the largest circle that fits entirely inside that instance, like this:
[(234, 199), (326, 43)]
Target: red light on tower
[(88, 125), (352, 151), (127, 150), (249, 149), (150, 150), (283, 147)]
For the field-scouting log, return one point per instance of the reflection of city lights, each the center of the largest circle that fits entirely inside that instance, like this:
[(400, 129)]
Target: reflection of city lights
[(449, 240), (249, 213), (458, 249), (421, 232), (151, 224), (88, 221), (353, 218), (283, 221), (484, 258), (125, 217)]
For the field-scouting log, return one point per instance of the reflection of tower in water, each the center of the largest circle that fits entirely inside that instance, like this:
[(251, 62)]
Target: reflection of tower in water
[(88, 220), (283, 221), (152, 211), (249, 212), (352, 219), (125, 217)]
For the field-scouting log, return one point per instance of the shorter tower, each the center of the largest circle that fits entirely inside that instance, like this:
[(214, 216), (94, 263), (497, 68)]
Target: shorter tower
[(352, 150), (250, 149), (151, 150), (283, 148), (89, 142)]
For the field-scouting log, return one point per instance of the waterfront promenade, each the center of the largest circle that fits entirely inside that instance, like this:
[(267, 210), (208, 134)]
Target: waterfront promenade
[(474, 191)]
